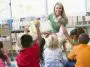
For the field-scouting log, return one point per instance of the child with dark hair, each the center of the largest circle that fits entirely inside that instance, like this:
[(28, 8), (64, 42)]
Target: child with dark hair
[(29, 56), (75, 34), (81, 52), (3, 57), (26, 40)]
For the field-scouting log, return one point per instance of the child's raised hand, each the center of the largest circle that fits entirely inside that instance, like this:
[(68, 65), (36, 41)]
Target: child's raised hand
[(37, 25)]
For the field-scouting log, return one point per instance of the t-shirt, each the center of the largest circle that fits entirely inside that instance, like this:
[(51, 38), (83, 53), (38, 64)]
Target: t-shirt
[(29, 57), (82, 55), (53, 54)]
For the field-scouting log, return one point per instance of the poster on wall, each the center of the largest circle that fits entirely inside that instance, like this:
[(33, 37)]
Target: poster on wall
[(5, 30)]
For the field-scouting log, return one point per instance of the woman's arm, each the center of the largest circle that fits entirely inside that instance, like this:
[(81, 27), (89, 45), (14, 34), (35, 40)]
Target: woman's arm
[(62, 20), (67, 35)]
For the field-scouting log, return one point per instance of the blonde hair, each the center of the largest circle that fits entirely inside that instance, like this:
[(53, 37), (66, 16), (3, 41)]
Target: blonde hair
[(63, 11), (53, 41)]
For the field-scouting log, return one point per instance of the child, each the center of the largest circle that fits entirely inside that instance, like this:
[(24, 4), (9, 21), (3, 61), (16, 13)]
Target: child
[(3, 56), (81, 52), (29, 56), (75, 34), (53, 56)]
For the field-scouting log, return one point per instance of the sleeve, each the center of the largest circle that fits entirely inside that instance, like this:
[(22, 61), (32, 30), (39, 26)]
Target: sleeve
[(49, 17), (64, 21), (72, 55), (36, 48)]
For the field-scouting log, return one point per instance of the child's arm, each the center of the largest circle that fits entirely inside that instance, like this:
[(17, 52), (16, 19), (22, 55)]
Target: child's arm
[(7, 57), (37, 25), (67, 35), (72, 55), (65, 49)]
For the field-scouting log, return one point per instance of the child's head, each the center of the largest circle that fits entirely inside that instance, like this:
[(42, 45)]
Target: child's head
[(76, 32), (26, 41), (80, 30), (1, 44), (83, 38), (53, 41), (73, 33)]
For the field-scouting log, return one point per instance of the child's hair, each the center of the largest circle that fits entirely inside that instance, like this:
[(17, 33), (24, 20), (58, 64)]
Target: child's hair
[(83, 38), (26, 40), (73, 32), (42, 43), (80, 30), (76, 31), (2, 56), (53, 41)]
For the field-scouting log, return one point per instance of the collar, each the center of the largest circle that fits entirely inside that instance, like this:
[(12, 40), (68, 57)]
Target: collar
[(83, 45)]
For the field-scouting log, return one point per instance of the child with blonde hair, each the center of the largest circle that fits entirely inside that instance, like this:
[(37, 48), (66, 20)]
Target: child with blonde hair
[(53, 56)]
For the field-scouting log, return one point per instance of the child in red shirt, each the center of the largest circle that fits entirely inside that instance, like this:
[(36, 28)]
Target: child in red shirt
[(29, 56)]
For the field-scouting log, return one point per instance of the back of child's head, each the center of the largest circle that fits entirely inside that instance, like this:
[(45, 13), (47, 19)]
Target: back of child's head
[(26, 40), (83, 38), (2, 56), (80, 30), (53, 41)]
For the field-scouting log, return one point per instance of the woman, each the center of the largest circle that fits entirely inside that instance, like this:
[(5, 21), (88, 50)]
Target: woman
[(54, 21), (58, 17)]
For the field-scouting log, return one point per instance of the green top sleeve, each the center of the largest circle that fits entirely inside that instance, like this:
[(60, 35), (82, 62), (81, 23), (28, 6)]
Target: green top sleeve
[(64, 21)]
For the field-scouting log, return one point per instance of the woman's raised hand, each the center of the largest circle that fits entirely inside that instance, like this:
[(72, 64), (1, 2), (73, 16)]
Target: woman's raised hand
[(59, 19)]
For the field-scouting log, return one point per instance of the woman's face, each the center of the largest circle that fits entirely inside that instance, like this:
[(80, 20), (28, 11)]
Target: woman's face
[(58, 10)]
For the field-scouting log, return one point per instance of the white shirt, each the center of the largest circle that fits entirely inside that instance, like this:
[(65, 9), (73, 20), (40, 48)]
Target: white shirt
[(53, 54)]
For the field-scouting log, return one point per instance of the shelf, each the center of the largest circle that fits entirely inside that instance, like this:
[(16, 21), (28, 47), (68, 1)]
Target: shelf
[(17, 31)]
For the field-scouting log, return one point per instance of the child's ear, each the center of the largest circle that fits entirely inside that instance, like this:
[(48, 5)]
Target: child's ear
[(30, 44)]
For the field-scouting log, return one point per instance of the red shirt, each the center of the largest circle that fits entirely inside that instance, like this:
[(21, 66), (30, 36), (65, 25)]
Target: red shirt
[(29, 57)]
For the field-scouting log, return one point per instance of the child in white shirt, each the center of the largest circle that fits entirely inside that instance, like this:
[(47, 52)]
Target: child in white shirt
[(53, 56)]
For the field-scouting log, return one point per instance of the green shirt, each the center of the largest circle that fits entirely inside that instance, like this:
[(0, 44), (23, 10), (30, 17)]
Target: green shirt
[(54, 23)]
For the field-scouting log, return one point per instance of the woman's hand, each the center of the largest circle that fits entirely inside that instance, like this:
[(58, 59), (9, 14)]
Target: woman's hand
[(59, 19)]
